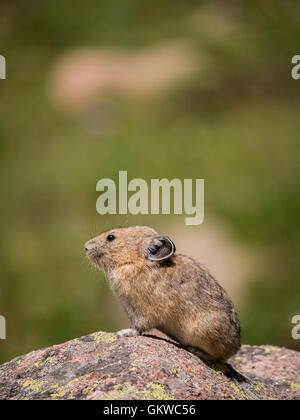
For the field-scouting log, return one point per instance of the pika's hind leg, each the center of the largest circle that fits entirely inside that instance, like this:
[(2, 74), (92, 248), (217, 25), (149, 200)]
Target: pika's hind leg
[(128, 332), (200, 353)]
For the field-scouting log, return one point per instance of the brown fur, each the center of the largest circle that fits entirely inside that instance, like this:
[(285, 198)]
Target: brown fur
[(177, 295)]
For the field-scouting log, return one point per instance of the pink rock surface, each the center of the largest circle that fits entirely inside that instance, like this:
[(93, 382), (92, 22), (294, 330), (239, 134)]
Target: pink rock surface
[(100, 366)]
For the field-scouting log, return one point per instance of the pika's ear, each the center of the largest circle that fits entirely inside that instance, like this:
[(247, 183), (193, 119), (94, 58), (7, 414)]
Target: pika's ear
[(160, 248)]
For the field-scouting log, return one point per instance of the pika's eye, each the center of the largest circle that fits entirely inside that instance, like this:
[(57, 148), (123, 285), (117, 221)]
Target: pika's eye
[(110, 238)]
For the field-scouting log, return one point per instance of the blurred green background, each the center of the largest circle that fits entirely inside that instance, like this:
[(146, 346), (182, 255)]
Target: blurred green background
[(231, 117)]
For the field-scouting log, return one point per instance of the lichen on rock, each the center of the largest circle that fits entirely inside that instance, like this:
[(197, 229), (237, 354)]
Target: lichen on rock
[(100, 366)]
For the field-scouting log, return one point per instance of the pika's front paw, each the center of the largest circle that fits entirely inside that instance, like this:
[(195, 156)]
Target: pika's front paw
[(128, 332)]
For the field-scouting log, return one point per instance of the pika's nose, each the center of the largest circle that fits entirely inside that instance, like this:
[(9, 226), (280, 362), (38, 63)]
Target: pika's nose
[(89, 245)]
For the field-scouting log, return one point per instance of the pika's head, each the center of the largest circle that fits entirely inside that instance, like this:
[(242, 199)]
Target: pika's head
[(129, 245)]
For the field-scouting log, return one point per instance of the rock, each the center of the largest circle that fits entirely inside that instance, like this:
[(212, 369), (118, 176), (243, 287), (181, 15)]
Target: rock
[(100, 366)]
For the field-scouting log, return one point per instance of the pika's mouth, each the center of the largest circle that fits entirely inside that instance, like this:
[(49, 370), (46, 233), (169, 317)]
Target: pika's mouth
[(94, 256), (93, 252)]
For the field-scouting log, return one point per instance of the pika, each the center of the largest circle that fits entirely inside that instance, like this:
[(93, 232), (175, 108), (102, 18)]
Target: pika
[(167, 291)]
